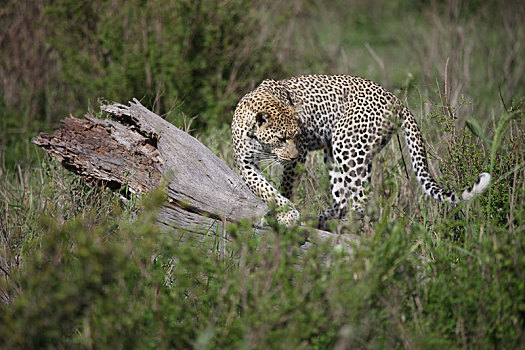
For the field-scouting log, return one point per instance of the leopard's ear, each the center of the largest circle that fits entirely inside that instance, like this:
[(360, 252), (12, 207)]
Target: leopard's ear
[(289, 97), (261, 118)]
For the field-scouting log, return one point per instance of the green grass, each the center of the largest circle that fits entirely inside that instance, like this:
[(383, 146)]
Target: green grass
[(79, 269)]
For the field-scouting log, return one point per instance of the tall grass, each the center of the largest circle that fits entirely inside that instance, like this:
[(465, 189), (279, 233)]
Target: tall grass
[(32, 194)]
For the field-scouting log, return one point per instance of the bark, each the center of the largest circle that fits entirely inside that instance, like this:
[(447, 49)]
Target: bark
[(136, 150)]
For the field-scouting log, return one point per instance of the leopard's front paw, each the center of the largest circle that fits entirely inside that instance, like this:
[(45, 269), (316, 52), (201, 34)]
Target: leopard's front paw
[(288, 218)]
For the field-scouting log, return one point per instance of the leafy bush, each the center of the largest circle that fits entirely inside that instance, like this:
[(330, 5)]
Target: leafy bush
[(472, 152), (194, 56), (178, 57)]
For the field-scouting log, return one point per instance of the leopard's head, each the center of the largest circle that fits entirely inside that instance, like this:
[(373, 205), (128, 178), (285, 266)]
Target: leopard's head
[(276, 127)]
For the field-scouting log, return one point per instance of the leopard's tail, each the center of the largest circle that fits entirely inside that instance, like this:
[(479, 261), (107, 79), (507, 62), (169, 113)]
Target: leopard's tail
[(418, 156)]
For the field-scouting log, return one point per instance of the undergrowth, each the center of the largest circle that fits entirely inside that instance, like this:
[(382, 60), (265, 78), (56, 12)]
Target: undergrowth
[(113, 281)]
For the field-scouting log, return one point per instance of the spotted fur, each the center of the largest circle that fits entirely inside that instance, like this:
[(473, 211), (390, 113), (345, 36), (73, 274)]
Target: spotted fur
[(350, 118)]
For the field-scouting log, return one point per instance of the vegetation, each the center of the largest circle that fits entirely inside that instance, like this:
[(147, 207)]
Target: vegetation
[(80, 269)]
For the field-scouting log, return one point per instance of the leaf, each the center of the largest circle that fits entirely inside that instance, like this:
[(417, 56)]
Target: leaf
[(476, 129)]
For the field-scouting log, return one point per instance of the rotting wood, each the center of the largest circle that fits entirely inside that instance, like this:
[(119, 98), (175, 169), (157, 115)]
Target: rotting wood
[(137, 149)]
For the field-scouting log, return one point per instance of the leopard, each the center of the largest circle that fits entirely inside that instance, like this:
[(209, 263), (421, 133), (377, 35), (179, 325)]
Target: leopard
[(350, 118)]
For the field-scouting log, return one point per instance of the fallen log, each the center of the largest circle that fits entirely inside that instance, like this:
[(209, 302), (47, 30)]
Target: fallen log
[(135, 150)]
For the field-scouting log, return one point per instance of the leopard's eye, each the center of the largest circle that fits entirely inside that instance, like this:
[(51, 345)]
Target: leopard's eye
[(281, 139)]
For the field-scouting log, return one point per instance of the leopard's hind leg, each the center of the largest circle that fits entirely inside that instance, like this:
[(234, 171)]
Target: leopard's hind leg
[(355, 142)]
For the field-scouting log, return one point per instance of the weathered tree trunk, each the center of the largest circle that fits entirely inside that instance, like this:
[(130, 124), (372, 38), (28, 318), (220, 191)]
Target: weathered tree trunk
[(137, 150)]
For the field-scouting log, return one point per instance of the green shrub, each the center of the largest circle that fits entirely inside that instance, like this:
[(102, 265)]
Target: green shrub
[(192, 56), (178, 57), (472, 152)]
